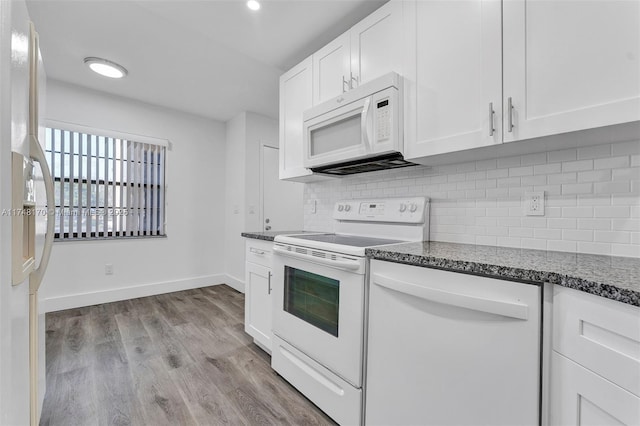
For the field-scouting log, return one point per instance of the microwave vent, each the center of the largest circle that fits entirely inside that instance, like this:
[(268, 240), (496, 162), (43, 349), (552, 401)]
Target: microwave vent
[(383, 162)]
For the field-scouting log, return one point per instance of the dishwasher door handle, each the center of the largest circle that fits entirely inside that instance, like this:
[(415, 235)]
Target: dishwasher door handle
[(497, 307)]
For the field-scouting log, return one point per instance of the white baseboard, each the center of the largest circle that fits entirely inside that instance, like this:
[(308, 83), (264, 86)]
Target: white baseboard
[(60, 303), (234, 283)]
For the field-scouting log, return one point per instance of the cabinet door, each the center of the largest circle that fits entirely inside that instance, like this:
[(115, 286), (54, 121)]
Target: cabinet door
[(582, 398), (257, 305), (454, 76), (331, 69), (376, 44), (296, 95), (570, 65)]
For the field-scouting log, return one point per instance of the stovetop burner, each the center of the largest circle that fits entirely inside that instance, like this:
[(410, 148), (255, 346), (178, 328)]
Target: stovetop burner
[(347, 240)]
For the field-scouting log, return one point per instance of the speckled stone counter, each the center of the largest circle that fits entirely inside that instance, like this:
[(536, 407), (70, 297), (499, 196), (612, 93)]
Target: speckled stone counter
[(270, 235), (616, 278)]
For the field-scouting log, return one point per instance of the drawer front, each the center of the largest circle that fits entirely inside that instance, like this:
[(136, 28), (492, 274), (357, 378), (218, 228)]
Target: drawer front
[(259, 252), (600, 334), (337, 398)]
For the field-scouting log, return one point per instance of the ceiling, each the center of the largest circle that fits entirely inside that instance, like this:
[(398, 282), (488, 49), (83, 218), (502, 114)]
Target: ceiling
[(214, 58)]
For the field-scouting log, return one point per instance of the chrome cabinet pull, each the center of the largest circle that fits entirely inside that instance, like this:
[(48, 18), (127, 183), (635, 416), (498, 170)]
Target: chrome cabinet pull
[(510, 114), (256, 251), (352, 80), (491, 114), (269, 281), (344, 81)]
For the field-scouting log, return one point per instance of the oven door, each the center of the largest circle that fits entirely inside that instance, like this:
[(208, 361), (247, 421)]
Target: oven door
[(319, 307)]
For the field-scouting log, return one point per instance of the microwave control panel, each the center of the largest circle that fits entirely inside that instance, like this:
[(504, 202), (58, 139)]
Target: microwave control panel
[(383, 119)]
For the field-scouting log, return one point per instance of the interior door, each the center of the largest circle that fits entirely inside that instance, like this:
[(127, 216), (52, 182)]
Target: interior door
[(282, 201)]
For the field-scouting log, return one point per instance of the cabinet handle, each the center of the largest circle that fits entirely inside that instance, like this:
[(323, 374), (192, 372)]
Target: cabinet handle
[(491, 114), (269, 281), (256, 251), (345, 82), (352, 80), (510, 114)]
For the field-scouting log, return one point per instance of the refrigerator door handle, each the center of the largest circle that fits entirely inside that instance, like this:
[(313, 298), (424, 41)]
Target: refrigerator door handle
[(37, 154), (35, 279)]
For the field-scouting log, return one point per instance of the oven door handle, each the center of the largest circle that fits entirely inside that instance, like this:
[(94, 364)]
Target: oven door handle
[(342, 264)]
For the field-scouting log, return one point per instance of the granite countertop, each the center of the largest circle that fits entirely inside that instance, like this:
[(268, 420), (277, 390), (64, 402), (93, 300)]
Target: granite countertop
[(616, 278), (270, 235)]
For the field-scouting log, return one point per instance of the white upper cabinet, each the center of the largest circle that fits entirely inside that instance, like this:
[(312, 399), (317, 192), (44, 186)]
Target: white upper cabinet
[(376, 44), (295, 96), (371, 48), (570, 65), (453, 76), (332, 66)]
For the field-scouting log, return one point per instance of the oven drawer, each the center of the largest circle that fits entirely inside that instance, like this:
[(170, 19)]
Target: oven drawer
[(337, 398), (259, 252)]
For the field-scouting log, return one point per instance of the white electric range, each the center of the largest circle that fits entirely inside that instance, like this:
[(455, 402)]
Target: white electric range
[(320, 293)]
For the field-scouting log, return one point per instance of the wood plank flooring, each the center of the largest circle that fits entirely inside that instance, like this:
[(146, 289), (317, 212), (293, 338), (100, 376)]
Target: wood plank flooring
[(174, 359)]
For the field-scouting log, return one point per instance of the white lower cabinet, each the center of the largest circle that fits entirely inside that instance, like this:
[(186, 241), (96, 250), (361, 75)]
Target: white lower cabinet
[(581, 397), (258, 300), (595, 364)]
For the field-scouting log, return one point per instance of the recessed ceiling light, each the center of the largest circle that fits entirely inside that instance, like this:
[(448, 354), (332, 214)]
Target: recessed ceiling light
[(253, 4), (105, 67)]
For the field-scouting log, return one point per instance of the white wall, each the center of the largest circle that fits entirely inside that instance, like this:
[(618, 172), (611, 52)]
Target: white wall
[(592, 205), (192, 254), (245, 132)]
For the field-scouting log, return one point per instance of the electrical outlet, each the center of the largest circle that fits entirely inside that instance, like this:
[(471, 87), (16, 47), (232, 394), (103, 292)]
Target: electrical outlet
[(534, 203), (108, 269)]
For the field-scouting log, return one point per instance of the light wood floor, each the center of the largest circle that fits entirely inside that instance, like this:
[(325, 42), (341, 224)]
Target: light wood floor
[(175, 359)]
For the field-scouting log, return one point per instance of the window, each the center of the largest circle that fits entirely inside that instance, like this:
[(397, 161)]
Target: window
[(105, 186)]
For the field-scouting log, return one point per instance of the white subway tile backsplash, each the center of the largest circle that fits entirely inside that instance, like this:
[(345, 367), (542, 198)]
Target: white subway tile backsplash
[(563, 155), (595, 224), (626, 148), (547, 169), (611, 163), (576, 166), (592, 199), (577, 188), (595, 176), (577, 235), (597, 151), (613, 211), (612, 237)]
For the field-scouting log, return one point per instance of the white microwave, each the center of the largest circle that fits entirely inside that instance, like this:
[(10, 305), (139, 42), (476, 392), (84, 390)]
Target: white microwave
[(358, 131)]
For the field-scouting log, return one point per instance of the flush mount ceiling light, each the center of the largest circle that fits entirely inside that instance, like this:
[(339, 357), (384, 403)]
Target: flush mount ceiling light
[(253, 4), (105, 67)]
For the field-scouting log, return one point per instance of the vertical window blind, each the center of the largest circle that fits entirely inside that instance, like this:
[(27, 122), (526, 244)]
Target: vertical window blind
[(105, 186)]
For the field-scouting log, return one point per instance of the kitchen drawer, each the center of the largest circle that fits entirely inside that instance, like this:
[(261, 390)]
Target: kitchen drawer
[(259, 252), (600, 334)]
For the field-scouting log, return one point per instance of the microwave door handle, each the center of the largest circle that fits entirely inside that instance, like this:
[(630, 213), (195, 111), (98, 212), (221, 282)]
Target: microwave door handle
[(365, 130)]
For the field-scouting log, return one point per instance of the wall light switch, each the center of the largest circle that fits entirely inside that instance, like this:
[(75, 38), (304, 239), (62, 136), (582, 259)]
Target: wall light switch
[(314, 206), (252, 209), (108, 269), (534, 203)]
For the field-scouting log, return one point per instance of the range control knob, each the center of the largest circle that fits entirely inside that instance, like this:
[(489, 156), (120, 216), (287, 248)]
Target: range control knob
[(403, 207), (340, 207), (347, 207), (413, 207)]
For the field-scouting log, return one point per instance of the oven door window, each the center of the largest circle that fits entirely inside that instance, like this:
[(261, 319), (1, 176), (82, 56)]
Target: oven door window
[(312, 298)]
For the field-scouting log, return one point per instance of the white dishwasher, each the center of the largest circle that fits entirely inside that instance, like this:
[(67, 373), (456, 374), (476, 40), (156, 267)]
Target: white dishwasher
[(447, 348)]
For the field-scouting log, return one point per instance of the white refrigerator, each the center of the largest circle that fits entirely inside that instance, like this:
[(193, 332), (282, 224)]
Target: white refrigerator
[(26, 233)]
